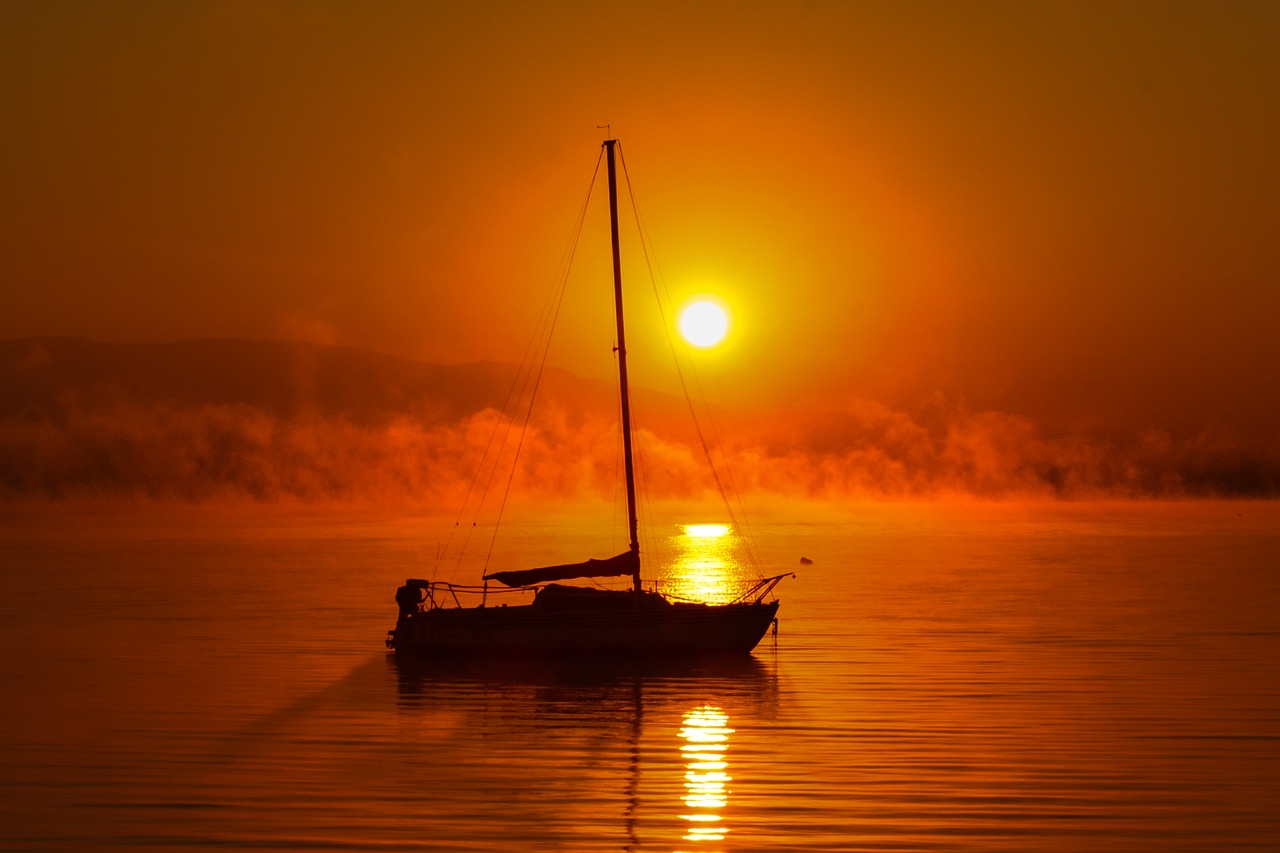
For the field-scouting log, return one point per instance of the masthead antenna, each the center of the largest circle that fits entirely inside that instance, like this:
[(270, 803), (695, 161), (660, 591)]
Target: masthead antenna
[(608, 129)]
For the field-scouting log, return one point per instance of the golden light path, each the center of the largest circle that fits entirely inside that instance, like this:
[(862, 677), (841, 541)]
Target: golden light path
[(706, 779), (704, 567)]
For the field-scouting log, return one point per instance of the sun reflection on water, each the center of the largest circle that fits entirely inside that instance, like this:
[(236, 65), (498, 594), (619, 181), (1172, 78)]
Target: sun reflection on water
[(706, 779), (705, 566)]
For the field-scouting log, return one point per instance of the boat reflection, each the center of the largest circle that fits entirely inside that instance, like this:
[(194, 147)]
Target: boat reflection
[(740, 679), (706, 740), (634, 755)]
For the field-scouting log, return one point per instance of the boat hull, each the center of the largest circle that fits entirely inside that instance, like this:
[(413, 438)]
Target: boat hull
[(675, 629)]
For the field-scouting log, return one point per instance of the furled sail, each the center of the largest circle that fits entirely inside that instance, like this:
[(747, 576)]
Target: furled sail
[(626, 563)]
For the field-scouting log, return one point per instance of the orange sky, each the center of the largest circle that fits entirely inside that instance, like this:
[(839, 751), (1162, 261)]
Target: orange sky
[(1068, 211)]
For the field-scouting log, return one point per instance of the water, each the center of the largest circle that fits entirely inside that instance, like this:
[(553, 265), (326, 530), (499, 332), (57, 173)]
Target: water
[(993, 677)]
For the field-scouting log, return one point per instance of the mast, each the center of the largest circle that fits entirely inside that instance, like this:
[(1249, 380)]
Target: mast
[(622, 365)]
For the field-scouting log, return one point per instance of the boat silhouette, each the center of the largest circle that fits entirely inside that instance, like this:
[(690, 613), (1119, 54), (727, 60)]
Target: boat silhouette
[(580, 620)]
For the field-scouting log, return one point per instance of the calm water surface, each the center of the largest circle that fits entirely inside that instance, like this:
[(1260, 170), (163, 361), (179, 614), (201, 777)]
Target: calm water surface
[(999, 677)]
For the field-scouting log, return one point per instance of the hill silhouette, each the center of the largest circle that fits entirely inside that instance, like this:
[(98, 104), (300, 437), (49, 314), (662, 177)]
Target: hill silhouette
[(46, 376)]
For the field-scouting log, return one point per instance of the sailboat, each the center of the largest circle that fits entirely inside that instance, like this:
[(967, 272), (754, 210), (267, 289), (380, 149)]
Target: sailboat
[(583, 620)]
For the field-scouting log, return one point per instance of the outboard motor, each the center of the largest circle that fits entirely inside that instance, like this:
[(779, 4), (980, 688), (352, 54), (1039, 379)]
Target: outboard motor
[(409, 598)]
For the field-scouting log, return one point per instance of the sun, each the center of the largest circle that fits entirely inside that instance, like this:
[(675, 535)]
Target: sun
[(704, 323)]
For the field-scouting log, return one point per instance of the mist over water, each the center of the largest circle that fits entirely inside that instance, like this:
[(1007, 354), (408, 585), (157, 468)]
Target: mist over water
[(202, 420), (220, 451), (959, 677)]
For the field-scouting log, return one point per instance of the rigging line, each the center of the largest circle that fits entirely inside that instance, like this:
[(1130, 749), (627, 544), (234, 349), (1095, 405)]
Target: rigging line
[(480, 467), (515, 381), (749, 535), (504, 421), (526, 374), (742, 524), (508, 411), (498, 424), (715, 474), (738, 518), (745, 528), (524, 429)]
